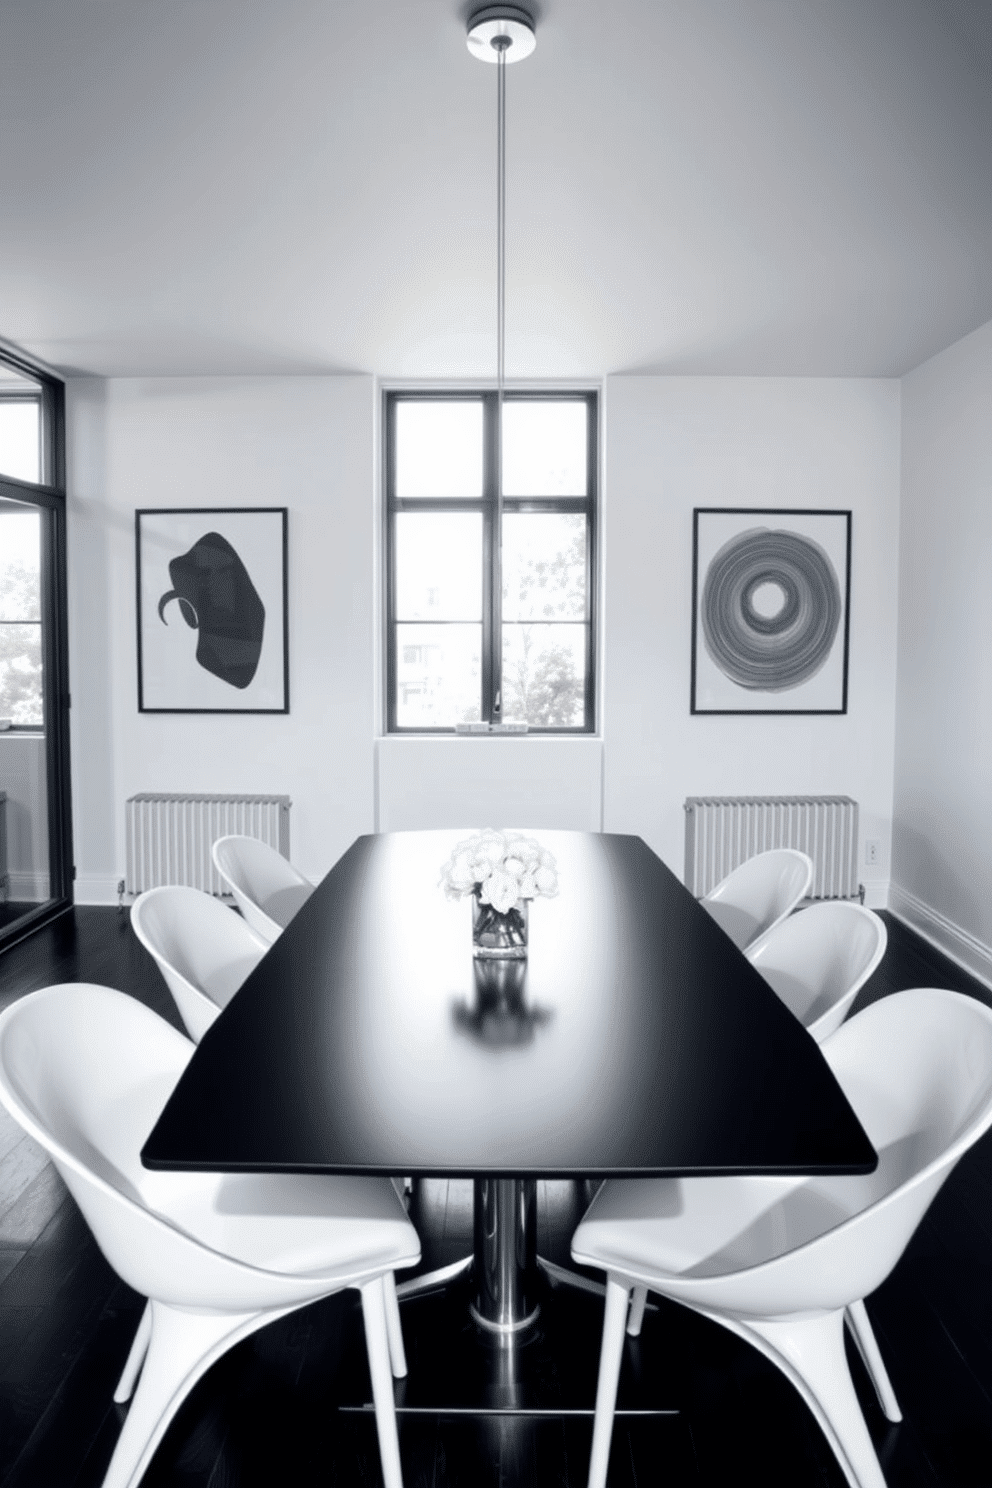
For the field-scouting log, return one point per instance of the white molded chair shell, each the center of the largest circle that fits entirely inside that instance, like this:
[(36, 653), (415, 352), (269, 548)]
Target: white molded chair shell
[(267, 889), (86, 1071), (203, 949), (760, 893), (819, 959), (785, 1261)]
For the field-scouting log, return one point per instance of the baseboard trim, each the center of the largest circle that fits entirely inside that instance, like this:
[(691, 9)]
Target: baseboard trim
[(877, 893), (96, 888), (964, 949)]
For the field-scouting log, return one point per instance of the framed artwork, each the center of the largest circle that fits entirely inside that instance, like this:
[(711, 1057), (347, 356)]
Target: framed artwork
[(213, 635), (770, 610)]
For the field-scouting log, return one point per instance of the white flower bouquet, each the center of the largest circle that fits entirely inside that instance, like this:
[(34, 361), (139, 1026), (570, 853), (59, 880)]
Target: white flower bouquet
[(502, 870)]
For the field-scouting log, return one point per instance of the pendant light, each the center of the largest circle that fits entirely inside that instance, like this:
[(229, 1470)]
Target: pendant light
[(500, 34)]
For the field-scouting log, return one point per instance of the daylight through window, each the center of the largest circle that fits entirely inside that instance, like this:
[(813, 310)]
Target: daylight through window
[(20, 616), (464, 648)]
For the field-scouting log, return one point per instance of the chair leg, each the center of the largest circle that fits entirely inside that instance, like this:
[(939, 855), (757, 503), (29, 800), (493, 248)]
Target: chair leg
[(377, 1343), (636, 1317), (610, 1357), (394, 1329), (135, 1359), (810, 1352), (181, 1349), (867, 1344)]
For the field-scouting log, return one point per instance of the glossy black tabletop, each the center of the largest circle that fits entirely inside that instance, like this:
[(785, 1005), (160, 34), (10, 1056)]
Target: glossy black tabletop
[(634, 1039)]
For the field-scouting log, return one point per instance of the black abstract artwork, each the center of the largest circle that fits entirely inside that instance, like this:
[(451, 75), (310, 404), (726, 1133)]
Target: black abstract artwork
[(770, 611), (223, 572), (218, 599)]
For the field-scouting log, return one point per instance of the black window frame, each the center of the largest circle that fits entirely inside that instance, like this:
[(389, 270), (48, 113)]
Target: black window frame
[(49, 496), (487, 504)]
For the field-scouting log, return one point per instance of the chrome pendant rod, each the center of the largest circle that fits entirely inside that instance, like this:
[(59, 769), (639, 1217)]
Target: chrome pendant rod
[(500, 43), (500, 215)]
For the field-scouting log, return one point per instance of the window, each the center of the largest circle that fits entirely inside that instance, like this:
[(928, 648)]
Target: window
[(22, 426), (20, 437), (482, 634), (21, 458), (20, 616), (36, 878)]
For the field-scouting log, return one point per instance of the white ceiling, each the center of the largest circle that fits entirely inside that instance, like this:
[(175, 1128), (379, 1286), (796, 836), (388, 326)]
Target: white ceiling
[(713, 186)]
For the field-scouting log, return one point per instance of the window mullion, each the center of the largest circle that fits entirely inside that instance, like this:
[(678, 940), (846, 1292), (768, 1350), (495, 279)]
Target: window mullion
[(497, 564), (491, 599)]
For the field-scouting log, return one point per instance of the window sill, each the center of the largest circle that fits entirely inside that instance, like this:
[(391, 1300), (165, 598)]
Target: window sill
[(541, 736)]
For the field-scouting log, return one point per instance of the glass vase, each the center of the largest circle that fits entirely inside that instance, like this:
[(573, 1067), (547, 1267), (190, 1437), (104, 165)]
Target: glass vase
[(499, 936)]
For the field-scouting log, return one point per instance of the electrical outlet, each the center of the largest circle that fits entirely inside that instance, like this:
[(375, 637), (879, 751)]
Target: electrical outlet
[(873, 852)]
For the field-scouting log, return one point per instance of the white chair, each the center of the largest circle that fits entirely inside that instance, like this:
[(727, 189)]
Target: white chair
[(203, 949), (267, 889), (86, 1072), (759, 894), (783, 1262), (819, 959)]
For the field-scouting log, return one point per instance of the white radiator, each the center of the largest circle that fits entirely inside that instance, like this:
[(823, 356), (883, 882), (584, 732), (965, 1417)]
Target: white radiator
[(169, 837), (722, 831)]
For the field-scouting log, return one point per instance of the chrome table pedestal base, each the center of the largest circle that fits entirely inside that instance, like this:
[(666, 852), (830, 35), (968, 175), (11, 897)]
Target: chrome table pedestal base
[(505, 1257), (504, 1261), (434, 1281)]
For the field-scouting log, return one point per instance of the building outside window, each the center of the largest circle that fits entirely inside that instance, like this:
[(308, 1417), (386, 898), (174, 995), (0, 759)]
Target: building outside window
[(20, 555), (481, 634), (20, 617)]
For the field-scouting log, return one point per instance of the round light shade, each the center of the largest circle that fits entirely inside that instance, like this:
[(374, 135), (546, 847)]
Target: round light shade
[(509, 21)]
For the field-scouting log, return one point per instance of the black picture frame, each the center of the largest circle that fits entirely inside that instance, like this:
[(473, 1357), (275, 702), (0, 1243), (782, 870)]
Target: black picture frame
[(231, 564), (806, 553)]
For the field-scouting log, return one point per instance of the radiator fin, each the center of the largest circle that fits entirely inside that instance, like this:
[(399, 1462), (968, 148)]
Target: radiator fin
[(723, 831), (169, 837)]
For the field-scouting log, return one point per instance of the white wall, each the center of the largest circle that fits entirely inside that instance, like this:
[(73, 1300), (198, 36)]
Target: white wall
[(676, 443), (443, 782), (307, 443), (942, 869), (301, 442)]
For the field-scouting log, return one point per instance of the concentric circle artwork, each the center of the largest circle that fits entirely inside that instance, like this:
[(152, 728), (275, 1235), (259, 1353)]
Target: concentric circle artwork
[(787, 640), (770, 611)]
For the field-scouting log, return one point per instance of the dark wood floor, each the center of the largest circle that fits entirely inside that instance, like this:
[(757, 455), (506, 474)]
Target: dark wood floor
[(13, 909), (288, 1406)]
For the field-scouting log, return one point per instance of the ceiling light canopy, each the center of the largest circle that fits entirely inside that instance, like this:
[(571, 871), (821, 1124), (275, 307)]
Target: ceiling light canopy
[(501, 30)]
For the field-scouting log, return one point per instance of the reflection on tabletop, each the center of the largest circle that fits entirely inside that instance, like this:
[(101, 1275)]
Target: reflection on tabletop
[(500, 1017)]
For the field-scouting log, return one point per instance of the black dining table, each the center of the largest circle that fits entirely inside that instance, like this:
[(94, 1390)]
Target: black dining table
[(634, 1039)]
